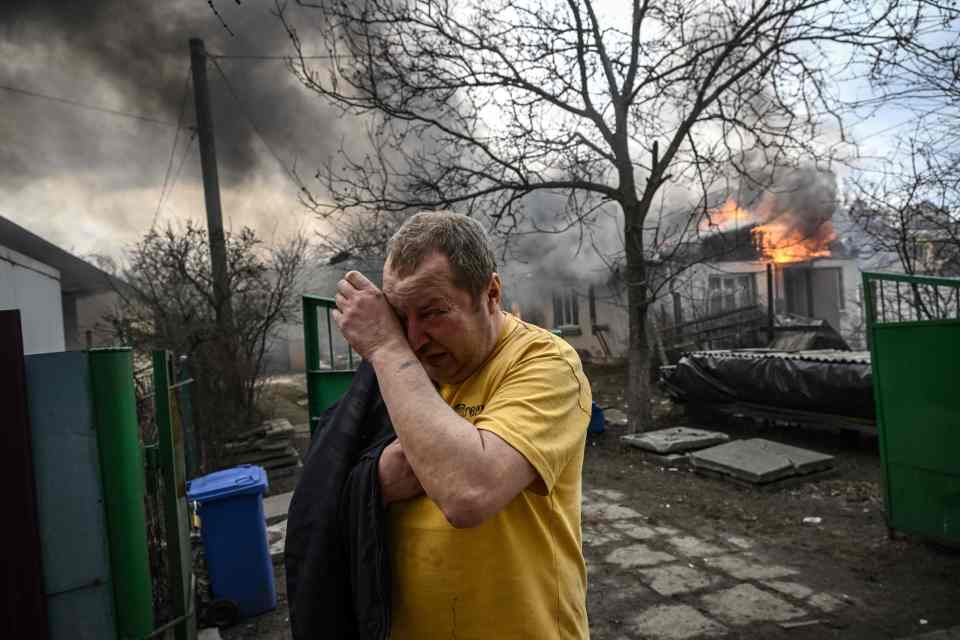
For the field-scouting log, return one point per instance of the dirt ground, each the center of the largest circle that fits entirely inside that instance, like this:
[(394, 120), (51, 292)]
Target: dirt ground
[(889, 588)]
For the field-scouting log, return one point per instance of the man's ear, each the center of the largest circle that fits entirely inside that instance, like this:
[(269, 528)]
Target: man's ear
[(494, 293)]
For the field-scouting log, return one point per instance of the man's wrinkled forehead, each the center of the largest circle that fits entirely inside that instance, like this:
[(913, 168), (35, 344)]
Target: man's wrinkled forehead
[(416, 288)]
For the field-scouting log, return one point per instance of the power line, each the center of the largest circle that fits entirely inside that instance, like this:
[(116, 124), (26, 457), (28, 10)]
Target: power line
[(89, 107), (289, 57), (911, 120), (293, 176), (186, 152), (173, 149)]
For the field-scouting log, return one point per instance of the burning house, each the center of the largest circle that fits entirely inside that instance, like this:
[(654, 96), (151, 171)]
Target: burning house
[(770, 265), (755, 271)]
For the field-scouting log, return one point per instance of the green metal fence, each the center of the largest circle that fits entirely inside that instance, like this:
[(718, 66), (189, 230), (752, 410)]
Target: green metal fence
[(325, 384), (913, 328), (163, 408)]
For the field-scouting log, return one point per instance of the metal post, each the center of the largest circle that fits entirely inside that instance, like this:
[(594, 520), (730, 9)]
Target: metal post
[(771, 316), (869, 313), (189, 433), (311, 352), (172, 470), (333, 364), (121, 465), (211, 185)]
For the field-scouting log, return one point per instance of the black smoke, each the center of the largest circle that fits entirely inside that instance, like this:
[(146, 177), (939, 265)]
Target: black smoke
[(133, 55)]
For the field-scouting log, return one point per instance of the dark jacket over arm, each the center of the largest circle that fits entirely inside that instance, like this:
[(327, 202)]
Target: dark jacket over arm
[(336, 557)]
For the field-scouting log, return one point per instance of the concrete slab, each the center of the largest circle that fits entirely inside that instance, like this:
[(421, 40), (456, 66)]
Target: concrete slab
[(694, 547), (635, 531), (675, 622), (673, 579), (667, 531), (737, 541), (637, 555), (744, 604), (826, 602), (760, 461), (675, 440), (275, 508), (611, 495), (792, 589), (607, 511), (597, 536), (746, 566)]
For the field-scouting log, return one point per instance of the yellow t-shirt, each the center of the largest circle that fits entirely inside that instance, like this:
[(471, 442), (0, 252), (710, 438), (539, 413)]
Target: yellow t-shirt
[(520, 574)]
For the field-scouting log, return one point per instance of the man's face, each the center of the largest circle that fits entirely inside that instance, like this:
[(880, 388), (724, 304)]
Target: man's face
[(451, 333)]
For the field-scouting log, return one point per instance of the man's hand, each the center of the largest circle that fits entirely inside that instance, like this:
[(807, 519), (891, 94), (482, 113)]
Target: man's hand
[(397, 480), (364, 316)]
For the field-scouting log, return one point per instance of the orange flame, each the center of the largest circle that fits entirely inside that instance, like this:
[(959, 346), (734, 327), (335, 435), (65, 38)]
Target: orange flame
[(726, 217), (781, 242)]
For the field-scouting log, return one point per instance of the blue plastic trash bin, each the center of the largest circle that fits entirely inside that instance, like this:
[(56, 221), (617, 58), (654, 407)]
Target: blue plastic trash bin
[(234, 534), (597, 420)]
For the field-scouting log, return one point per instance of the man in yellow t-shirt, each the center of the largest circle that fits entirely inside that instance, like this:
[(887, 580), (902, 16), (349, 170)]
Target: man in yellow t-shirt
[(484, 481)]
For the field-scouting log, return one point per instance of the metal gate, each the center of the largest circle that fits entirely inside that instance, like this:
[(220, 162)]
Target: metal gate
[(325, 385), (913, 327)]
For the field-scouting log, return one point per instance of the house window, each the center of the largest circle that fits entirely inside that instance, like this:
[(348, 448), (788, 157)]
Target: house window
[(729, 292), (566, 309)]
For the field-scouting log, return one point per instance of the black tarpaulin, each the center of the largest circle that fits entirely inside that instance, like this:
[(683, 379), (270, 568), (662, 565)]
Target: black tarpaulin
[(833, 382)]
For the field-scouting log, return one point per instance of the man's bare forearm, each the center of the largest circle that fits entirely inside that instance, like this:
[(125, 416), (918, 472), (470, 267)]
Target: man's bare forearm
[(444, 450)]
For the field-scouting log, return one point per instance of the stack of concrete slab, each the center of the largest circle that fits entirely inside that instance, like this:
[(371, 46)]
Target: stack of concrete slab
[(758, 461), (672, 446), (268, 446)]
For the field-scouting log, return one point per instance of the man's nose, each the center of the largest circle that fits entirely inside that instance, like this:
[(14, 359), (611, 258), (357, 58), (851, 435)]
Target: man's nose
[(416, 335)]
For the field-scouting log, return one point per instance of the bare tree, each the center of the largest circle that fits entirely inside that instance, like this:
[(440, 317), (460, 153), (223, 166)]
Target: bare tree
[(908, 203), (168, 303), (477, 104)]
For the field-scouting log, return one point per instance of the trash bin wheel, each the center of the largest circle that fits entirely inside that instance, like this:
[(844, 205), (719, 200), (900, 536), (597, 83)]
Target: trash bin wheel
[(222, 613)]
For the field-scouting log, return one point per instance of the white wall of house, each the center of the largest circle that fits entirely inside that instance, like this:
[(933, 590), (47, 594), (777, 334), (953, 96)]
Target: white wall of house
[(85, 319), (34, 289), (710, 288)]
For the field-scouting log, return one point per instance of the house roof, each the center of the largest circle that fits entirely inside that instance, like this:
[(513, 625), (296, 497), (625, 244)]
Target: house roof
[(76, 275)]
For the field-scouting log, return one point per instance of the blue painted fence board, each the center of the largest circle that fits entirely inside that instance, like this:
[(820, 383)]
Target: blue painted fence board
[(70, 497)]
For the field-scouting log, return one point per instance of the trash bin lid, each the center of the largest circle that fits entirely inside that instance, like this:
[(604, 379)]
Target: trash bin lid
[(246, 478)]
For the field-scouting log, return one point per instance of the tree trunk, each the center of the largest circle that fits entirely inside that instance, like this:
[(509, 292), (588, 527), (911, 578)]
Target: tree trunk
[(639, 353)]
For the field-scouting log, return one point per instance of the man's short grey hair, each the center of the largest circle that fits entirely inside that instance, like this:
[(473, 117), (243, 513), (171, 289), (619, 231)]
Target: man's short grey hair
[(458, 237)]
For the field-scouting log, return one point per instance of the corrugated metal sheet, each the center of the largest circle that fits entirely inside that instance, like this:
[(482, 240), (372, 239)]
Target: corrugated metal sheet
[(70, 497), (826, 355)]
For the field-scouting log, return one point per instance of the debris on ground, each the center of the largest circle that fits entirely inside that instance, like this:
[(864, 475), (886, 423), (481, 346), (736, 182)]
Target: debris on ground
[(760, 461), (675, 440)]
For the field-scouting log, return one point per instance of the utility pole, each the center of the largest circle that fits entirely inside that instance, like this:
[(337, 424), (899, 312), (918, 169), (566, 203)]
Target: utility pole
[(211, 186)]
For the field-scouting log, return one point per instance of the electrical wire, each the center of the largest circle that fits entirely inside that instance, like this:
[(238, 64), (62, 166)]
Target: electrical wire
[(183, 158), (88, 107), (290, 173), (173, 149), (214, 56)]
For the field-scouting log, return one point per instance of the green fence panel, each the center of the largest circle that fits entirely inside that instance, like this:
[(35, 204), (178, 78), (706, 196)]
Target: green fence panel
[(915, 347), (176, 516), (324, 385)]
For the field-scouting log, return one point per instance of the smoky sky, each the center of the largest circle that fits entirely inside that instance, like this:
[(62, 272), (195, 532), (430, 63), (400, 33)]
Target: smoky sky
[(133, 56)]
